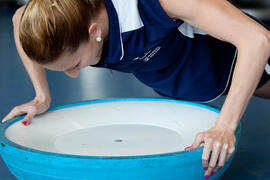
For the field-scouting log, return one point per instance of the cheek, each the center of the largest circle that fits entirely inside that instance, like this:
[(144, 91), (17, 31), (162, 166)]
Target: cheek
[(89, 59), (92, 54), (96, 54), (98, 51)]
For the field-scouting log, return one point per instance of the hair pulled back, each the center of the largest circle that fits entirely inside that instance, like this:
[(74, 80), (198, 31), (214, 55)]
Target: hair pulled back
[(51, 27)]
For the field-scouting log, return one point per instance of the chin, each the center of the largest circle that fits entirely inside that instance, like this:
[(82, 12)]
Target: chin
[(96, 60)]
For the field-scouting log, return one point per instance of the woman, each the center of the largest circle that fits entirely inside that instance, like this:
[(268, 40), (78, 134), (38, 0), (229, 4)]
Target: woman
[(156, 41)]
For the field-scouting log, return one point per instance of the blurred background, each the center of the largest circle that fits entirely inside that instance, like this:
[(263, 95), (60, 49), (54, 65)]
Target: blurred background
[(252, 160), (257, 8)]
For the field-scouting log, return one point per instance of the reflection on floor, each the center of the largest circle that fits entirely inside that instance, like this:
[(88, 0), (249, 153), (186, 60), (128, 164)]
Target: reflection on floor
[(252, 159)]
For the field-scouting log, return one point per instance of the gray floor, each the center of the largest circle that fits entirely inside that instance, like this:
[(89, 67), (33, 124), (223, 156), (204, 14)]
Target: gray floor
[(252, 160)]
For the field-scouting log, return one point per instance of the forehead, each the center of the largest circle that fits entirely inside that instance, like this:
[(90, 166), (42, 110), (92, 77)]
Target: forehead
[(62, 63), (68, 59)]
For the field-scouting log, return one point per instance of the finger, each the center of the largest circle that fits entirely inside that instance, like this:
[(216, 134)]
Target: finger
[(221, 159), (206, 154), (223, 155), (214, 157), (197, 142), (28, 118), (230, 152), (13, 113), (208, 172), (8, 116), (189, 147), (215, 170)]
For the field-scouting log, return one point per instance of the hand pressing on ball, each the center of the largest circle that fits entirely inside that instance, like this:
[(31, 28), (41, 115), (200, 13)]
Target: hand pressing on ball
[(219, 146), (32, 108)]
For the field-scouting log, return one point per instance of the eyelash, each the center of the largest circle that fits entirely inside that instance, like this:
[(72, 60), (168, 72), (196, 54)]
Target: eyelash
[(77, 65)]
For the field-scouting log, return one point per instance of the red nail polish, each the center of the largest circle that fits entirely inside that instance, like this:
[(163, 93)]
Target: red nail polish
[(205, 168), (207, 176), (187, 147), (24, 123), (213, 173)]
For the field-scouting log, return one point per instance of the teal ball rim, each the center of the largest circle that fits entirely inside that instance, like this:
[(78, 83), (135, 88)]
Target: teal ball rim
[(4, 141)]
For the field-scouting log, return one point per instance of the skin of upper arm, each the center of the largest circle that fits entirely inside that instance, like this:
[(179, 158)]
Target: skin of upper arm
[(17, 16), (218, 18)]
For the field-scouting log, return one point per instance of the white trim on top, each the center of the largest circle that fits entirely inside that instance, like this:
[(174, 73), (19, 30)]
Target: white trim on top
[(189, 31), (128, 16)]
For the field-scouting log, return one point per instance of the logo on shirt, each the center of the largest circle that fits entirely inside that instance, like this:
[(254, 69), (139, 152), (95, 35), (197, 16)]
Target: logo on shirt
[(148, 55)]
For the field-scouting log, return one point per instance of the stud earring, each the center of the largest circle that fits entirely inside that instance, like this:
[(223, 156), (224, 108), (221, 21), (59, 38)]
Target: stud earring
[(98, 39)]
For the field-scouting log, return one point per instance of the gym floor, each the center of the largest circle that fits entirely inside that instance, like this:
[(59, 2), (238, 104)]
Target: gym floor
[(252, 159)]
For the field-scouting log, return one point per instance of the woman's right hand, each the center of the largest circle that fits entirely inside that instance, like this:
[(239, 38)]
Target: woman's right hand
[(37, 74), (32, 108)]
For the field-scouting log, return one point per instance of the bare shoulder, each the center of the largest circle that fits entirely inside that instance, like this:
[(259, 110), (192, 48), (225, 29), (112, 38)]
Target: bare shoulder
[(17, 16), (214, 17)]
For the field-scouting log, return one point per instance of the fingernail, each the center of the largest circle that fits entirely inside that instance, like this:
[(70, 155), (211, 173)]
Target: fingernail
[(207, 176), (187, 147), (219, 168), (205, 168), (213, 172), (24, 123)]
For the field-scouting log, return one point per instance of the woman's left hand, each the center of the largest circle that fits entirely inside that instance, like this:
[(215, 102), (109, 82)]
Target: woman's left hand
[(220, 143)]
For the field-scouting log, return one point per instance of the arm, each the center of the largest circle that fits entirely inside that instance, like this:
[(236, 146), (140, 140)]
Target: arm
[(38, 77), (223, 21)]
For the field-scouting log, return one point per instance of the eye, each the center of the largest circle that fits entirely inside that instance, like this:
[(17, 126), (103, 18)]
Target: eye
[(77, 65), (74, 67)]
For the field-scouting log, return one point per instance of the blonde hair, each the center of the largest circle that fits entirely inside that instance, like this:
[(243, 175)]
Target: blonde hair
[(50, 27)]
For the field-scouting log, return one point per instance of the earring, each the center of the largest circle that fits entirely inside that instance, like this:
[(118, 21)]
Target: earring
[(98, 39)]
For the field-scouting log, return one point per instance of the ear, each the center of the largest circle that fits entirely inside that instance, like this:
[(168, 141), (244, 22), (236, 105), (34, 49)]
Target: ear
[(94, 30)]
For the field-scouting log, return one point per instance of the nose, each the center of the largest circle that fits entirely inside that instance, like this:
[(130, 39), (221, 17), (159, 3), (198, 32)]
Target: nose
[(73, 73)]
